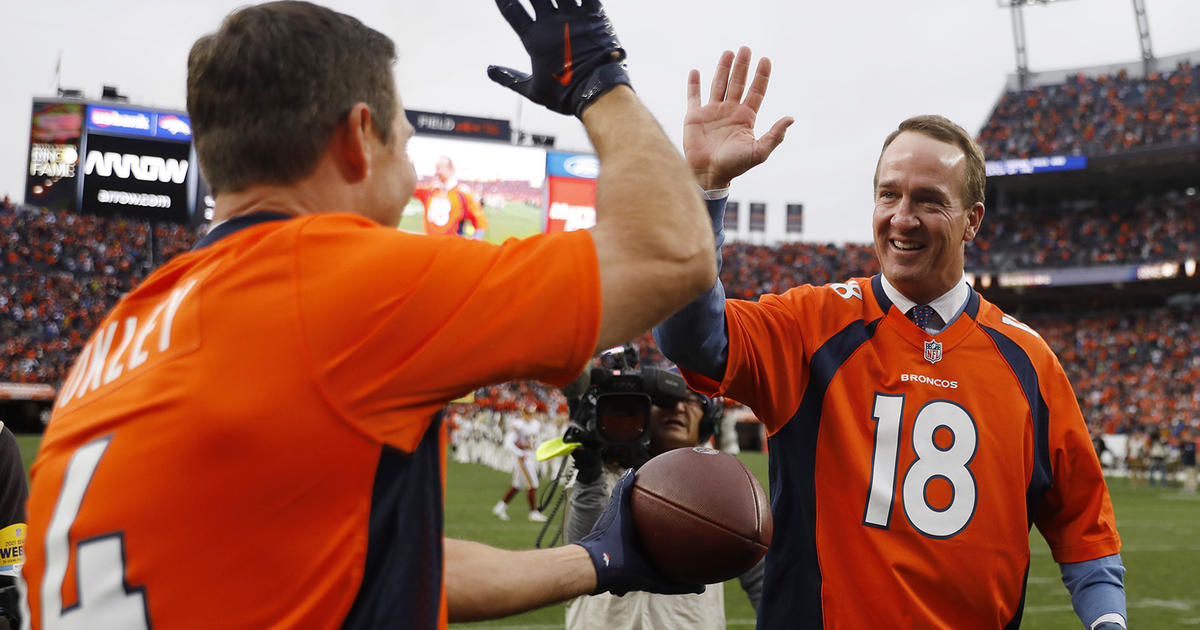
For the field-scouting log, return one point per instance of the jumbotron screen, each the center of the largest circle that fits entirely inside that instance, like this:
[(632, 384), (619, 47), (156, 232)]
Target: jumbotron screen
[(519, 190), (106, 158), (505, 182)]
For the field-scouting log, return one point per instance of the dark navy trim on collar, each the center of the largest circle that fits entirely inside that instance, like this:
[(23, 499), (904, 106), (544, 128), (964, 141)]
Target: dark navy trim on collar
[(881, 297), (237, 224), (972, 306)]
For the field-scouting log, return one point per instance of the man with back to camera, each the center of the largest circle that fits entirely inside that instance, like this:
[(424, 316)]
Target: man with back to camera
[(682, 423), (252, 438), (910, 454)]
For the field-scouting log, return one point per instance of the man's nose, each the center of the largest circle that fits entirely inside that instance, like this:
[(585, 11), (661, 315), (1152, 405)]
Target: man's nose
[(905, 216)]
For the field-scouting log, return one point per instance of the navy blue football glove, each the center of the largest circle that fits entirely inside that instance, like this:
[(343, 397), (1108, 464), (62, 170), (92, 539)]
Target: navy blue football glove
[(574, 52), (613, 547)]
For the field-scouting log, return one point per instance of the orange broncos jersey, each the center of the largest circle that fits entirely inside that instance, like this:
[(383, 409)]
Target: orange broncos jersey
[(907, 470), (446, 210), (250, 439)]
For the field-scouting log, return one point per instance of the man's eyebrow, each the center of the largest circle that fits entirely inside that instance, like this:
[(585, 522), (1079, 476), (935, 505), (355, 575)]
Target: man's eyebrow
[(932, 191), (927, 191)]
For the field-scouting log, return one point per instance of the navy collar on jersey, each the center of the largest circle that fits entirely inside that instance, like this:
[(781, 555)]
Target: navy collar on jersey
[(236, 224), (970, 307)]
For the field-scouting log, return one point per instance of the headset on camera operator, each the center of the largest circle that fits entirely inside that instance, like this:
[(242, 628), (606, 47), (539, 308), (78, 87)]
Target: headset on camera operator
[(622, 416)]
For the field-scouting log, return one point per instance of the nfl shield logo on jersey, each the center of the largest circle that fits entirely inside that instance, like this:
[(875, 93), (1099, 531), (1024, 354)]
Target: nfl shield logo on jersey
[(933, 351)]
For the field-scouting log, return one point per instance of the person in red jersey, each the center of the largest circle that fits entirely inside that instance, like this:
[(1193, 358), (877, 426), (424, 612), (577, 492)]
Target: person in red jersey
[(450, 204), (252, 437), (917, 432)]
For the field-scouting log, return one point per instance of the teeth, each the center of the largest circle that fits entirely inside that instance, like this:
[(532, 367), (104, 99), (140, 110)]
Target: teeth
[(905, 245)]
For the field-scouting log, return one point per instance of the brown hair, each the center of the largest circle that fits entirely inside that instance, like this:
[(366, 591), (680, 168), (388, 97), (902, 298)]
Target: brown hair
[(942, 129), (266, 91)]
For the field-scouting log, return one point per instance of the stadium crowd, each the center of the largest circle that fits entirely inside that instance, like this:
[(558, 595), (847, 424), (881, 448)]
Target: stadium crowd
[(1132, 372), (60, 272), (1155, 229), (1097, 115)]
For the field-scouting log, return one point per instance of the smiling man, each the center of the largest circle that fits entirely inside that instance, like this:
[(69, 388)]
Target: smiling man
[(917, 432)]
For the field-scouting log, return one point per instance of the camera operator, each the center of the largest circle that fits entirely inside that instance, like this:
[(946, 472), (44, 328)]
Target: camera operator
[(674, 423), (14, 491)]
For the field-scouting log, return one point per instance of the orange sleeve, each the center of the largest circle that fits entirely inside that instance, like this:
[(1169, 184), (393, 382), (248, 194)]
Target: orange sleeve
[(768, 366), (475, 212), (1076, 514), (396, 321)]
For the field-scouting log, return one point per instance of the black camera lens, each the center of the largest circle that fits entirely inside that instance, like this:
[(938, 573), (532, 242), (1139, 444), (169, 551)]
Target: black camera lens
[(622, 417)]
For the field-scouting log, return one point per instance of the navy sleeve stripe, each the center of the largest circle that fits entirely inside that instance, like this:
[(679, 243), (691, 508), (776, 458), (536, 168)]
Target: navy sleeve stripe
[(402, 579), (1022, 367), (792, 559), (1015, 622)]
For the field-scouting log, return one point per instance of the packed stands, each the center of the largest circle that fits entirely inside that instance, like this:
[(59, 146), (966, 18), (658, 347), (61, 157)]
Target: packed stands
[(1157, 228), (1132, 370), (60, 273), (1096, 115)]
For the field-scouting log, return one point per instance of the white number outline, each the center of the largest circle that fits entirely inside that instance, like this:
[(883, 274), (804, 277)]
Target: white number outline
[(888, 418), (102, 591)]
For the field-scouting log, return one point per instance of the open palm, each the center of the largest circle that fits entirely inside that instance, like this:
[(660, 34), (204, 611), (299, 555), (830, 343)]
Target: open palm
[(718, 137)]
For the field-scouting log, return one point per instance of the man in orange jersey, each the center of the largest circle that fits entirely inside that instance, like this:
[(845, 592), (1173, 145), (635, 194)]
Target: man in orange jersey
[(450, 204), (917, 432), (252, 437)]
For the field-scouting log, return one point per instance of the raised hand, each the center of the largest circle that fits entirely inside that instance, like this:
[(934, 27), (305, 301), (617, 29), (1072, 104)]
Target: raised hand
[(718, 137), (574, 53)]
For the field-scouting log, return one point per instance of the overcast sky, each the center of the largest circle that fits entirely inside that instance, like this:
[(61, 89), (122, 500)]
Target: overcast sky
[(848, 71)]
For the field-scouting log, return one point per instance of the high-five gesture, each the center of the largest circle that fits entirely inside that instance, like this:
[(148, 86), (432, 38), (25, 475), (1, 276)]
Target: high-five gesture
[(718, 138), (574, 51)]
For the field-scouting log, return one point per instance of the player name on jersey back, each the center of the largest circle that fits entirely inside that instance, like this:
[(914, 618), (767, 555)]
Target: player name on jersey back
[(137, 335)]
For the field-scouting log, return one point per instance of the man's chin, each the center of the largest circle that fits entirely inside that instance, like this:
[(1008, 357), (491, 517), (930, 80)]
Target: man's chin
[(903, 274)]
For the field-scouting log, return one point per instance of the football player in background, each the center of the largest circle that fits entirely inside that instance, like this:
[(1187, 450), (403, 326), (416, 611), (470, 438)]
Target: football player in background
[(252, 436), (917, 432), (450, 204), (520, 440)]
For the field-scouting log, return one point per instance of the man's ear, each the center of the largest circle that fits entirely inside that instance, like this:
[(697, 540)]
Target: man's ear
[(352, 145), (974, 219)]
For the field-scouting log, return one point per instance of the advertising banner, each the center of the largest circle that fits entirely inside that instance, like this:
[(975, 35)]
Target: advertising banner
[(51, 178), (110, 120), (1027, 166), (570, 191), (459, 126), (136, 177)]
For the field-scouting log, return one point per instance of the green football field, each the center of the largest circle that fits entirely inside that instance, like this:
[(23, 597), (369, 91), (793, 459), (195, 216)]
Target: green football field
[(1160, 530), (512, 219)]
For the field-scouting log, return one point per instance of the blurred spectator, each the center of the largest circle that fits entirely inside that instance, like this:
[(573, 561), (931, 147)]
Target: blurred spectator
[(1187, 458)]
